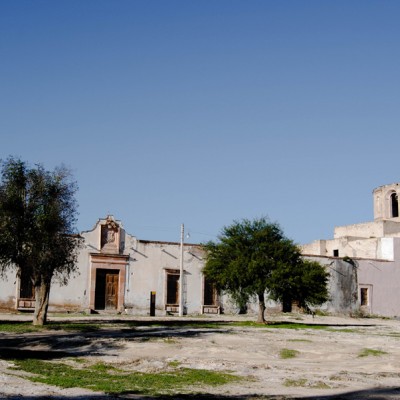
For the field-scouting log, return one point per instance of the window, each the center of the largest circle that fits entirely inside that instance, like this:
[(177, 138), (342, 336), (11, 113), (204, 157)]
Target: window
[(395, 205), (364, 296), (335, 253)]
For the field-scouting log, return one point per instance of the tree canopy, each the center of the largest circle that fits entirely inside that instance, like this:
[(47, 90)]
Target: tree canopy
[(37, 226), (251, 258)]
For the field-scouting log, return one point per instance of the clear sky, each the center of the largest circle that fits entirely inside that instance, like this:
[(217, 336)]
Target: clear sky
[(205, 112)]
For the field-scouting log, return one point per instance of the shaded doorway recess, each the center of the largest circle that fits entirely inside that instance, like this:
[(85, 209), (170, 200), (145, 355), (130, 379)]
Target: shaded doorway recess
[(107, 288)]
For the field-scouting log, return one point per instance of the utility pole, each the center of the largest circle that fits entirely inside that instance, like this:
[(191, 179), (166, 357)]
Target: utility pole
[(181, 275)]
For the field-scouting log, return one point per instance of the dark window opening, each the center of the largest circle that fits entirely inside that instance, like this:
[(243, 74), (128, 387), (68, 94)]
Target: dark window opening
[(335, 253), (173, 289), (395, 205), (364, 296)]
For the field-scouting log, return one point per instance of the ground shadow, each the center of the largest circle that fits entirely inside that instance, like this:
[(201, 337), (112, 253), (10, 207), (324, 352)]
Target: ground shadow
[(59, 344), (100, 336), (390, 393)]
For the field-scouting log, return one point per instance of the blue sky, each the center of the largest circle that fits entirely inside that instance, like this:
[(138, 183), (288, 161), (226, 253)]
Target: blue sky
[(205, 112)]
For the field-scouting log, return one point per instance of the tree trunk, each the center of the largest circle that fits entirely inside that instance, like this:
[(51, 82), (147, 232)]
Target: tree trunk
[(261, 308), (42, 293)]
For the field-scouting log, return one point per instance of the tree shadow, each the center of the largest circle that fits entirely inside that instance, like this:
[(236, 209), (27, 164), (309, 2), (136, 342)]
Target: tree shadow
[(389, 393), (59, 344), (97, 337)]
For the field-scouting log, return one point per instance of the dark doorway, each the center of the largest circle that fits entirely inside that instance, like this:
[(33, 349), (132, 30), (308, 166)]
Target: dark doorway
[(210, 293), (172, 289), (106, 292), (26, 290)]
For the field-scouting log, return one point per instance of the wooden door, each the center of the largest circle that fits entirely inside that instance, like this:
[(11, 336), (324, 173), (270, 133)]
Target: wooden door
[(111, 299)]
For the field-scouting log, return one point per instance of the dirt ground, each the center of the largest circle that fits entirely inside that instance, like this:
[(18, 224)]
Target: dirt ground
[(327, 366)]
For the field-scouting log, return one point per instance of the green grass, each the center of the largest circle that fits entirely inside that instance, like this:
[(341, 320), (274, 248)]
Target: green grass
[(74, 326), (320, 385), (174, 364), (304, 383), (371, 352), (288, 353), (344, 330), (20, 327), (170, 340), (106, 378), (295, 325), (300, 340), (392, 334), (27, 327), (295, 382)]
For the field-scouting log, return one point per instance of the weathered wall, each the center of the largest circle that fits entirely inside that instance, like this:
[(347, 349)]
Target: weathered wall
[(8, 290), (382, 202), (373, 229), (148, 270), (383, 280), (343, 285), (352, 247)]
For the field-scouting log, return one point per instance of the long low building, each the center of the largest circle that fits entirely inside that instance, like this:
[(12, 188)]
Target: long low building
[(118, 273)]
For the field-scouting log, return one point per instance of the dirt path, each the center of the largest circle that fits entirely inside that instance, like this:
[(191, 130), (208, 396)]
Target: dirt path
[(327, 364)]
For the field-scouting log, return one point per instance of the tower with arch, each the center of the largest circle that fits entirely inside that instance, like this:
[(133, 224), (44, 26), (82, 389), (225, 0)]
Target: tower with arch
[(386, 202)]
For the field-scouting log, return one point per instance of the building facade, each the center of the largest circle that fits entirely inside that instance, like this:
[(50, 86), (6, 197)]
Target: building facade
[(364, 259), (118, 273)]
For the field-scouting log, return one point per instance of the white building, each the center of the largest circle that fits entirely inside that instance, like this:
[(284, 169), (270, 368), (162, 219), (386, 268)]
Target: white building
[(117, 272), (364, 259)]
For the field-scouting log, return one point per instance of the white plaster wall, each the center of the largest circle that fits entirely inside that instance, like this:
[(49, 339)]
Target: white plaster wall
[(73, 296), (384, 278), (318, 247), (342, 285), (8, 290), (350, 247), (76, 295), (382, 201), (391, 228), (364, 230), (386, 249), (378, 203), (147, 272)]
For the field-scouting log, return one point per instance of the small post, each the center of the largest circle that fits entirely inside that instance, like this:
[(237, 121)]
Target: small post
[(181, 275), (152, 304)]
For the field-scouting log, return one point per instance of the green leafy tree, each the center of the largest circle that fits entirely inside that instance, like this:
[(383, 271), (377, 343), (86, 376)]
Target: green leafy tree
[(247, 259), (37, 224), (304, 282)]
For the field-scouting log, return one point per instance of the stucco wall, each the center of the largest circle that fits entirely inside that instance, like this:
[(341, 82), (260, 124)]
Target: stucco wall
[(383, 278), (343, 286), (8, 290), (148, 272)]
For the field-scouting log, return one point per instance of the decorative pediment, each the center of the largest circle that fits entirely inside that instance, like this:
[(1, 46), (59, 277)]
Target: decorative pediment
[(110, 232)]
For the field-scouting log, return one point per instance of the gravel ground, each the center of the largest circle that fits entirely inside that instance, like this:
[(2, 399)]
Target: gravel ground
[(327, 363)]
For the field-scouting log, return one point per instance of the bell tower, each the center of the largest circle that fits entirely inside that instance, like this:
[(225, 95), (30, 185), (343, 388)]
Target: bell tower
[(386, 202)]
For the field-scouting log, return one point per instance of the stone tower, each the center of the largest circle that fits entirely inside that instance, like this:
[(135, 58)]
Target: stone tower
[(386, 202)]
